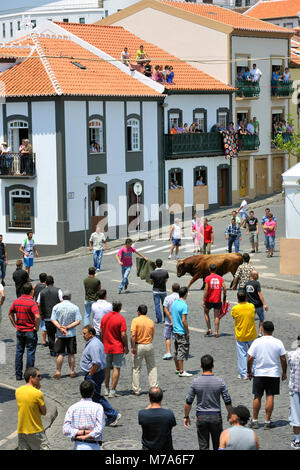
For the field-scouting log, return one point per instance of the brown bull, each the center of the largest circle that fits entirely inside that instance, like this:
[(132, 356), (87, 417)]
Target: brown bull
[(198, 266)]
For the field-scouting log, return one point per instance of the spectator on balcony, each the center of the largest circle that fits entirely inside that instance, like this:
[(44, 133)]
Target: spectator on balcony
[(193, 126), (241, 128), (173, 129), (141, 56), (256, 126), (250, 127), (174, 185), (186, 129), (26, 157), (286, 75), (246, 75), (200, 181), (230, 128), (94, 147), (275, 80), (125, 57), (215, 128), (148, 69), (255, 74), (289, 128), (180, 128), (6, 159)]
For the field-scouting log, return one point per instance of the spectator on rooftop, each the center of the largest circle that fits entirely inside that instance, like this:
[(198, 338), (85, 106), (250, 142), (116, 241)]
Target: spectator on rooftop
[(148, 69), (141, 55), (157, 75), (125, 56), (170, 75)]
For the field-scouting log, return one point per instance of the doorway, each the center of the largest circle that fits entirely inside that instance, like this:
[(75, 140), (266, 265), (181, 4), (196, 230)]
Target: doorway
[(97, 210), (135, 204), (223, 185), (243, 178), (261, 174)]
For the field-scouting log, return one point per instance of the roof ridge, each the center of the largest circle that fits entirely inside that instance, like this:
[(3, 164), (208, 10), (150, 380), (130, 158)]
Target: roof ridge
[(46, 64)]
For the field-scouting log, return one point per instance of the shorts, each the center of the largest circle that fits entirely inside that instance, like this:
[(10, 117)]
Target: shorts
[(294, 415), (65, 344), (214, 305), (42, 325), (270, 385), (182, 347), (260, 312), (168, 331), (176, 241), (28, 262), (115, 360), (253, 237), (270, 242)]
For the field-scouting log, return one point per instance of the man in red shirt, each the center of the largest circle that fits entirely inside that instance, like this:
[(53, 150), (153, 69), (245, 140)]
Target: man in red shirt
[(212, 298), (25, 317), (208, 237), (114, 338)]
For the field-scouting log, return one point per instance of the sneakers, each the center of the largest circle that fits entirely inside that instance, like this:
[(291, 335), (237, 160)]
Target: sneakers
[(268, 425), (135, 393), (184, 374), (253, 424), (167, 356), (115, 422), (169, 257), (113, 394), (243, 378), (295, 444), (106, 392)]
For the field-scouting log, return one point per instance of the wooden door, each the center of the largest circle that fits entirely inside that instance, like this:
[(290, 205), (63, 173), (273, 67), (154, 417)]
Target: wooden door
[(278, 169), (97, 198), (243, 178), (261, 176), (222, 186)]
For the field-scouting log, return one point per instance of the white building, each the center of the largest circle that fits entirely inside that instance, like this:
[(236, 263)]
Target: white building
[(20, 16), (232, 42)]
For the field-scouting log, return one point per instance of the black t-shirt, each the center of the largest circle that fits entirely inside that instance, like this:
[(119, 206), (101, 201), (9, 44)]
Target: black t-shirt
[(157, 424), (252, 224), (20, 277), (159, 277), (252, 288)]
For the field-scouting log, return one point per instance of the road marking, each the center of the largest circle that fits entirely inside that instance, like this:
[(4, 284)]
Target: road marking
[(116, 251), (261, 266), (197, 329), (131, 283), (294, 314), (11, 436), (158, 249), (271, 275)]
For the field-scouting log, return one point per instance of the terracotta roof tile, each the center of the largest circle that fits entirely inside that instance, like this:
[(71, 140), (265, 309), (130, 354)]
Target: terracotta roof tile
[(295, 51), (270, 9), (226, 16), (112, 40)]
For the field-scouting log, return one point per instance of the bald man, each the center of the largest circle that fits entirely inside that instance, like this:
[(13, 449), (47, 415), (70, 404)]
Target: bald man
[(256, 298)]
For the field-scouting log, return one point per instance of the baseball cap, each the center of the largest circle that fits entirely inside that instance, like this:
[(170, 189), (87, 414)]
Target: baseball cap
[(66, 293), (242, 412)]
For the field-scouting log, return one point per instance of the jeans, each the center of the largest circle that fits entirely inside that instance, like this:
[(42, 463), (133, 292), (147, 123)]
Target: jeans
[(233, 240), (51, 333), (241, 350), (270, 242), (125, 274), (97, 380), (158, 297), (28, 340), (88, 309), (3, 268), (97, 256), (209, 425)]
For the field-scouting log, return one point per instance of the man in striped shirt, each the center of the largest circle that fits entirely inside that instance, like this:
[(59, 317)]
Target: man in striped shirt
[(84, 421), (25, 317), (208, 388)]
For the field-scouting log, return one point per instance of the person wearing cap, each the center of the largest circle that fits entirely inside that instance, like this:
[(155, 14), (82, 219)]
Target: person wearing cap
[(176, 232), (269, 353), (20, 277), (238, 437), (65, 317)]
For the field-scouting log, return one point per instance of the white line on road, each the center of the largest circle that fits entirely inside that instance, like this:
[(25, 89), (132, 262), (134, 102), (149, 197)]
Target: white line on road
[(197, 329), (294, 314), (157, 249), (116, 251)]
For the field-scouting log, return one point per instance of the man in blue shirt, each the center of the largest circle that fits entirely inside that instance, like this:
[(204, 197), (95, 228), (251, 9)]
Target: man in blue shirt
[(93, 363), (233, 235), (179, 312)]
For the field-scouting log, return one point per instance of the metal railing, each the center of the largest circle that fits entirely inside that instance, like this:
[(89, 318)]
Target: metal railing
[(14, 164), (247, 89), (281, 88), (204, 143), (249, 142)]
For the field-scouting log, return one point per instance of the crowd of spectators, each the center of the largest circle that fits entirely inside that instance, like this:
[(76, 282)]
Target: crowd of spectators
[(142, 64), (244, 127)]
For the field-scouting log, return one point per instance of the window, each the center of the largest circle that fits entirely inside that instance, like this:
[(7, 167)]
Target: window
[(82, 20), (20, 209), (200, 172), (176, 176), (66, 20), (133, 135), (223, 118), (17, 131), (288, 25), (200, 118), (174, 119), (11, 29), (3, 30), (19, 25), (96, 142), (33, 22)]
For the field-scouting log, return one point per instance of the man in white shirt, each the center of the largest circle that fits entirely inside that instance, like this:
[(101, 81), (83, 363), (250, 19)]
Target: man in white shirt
[(250, 127), (255, 74), (97, 244), (269, 353), (243, 211), (176, 232), (99, 309)]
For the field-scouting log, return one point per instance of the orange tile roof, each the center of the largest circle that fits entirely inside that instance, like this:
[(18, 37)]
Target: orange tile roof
[(223, 15), (50, 71), (112, 40), (269, 9), (14, 52), (295, 51)]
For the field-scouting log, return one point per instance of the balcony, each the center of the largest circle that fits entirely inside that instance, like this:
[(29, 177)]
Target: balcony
[(204, 143), (248, 142), (12, 165), (281, 89), (247, 89)]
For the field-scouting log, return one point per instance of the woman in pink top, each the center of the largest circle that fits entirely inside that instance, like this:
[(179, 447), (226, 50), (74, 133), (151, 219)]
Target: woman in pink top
[(269, 229), (198, 230), (124, 258)]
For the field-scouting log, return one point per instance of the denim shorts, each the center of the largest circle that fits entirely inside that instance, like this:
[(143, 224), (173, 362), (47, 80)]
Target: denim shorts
[(294, 416), (270, 242), (260, 313), (176, 241), (168, 331), (115, 360), (28, 262)]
